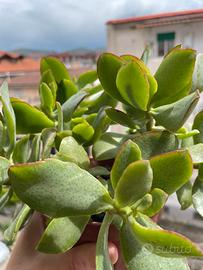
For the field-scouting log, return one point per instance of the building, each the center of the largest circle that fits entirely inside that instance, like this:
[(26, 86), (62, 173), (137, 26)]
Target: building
[(78, 58), (159, 31)]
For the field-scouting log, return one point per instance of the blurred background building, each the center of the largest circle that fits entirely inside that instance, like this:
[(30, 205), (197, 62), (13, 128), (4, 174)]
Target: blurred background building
[(160, 31)]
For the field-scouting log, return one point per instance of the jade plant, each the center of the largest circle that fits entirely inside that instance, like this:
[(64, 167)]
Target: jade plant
[(61, 159)]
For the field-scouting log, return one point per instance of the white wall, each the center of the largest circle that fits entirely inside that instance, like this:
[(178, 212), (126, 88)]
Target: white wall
[(125, 38)]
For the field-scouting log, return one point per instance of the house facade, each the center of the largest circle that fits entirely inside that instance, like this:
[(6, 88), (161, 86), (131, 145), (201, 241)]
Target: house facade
[(159, 31)]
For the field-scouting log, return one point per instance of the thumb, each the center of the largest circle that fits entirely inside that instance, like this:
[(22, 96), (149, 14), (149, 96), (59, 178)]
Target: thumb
[(83, 256)]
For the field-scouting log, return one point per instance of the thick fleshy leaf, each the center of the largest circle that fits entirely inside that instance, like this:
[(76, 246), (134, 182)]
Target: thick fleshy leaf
[(58, 69), (171, 170), (128, 153), (107, 146), (198, 124), (62, 234), (153, 143), (197, 194), (108, 66), (46, 99), (98, 171), (100, 124), (21, 151), (137, 257), (5, 198), (103, 261), (36, 148), (134, 91), (151, 80), (60, 117), (47, 136), (71, 104), (146, 54), (4, 165), (103, 100), (196, 152), (174, 76), (70, 150), (9, 117), (134, 183), (143, 204), (83, 132), (28, 118), (184, 195), (159, 198), (66, 89), (72, 191), (174, 115), (87, 78), (162, 242), (120, 118), (197, 80), (15, 226), (48, 78)]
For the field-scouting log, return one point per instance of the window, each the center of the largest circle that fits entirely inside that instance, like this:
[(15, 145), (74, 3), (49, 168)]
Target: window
[(165, 42)]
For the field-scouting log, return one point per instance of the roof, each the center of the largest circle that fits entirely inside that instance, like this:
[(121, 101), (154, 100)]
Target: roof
[(24, 65), (194, 13)]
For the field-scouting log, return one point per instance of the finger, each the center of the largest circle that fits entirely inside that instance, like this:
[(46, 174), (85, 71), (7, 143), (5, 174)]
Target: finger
[(83, 256)]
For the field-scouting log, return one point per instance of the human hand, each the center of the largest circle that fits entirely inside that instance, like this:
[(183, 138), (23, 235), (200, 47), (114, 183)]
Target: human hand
[(81, 257)]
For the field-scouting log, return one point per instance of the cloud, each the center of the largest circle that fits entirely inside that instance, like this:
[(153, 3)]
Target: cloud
[(62, 24)]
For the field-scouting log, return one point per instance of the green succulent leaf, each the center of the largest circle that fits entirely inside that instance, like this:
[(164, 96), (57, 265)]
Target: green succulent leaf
[(153, 143), (184, 195), (9, 116), (100, 124), (102, 101), (171, 170), (128, 153), (162, 242), (4, 199), (103, 261), (21, 151), (4, 165), (159, 198), (120, 118), (46, 99), (107, 146), (196, 152), (197, 80), (86, 78), (197, 194), (72, 191), (134, 183), (36, 148), (146, 54), (11, 232), (98, 171), (174, 115), (66, 89), (83, 132), (71, 104), (70, 150), (28, 118), (143, 204), (136, 256), (198, 124), (48, 137), (108, 66), (58, 69), (62, 234), (134, 91), (174, 76)]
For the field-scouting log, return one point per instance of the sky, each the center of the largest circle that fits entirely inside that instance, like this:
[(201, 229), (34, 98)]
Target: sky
[(64, 24)]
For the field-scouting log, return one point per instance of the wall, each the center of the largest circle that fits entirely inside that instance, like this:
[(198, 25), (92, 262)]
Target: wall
[(126, 39)]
